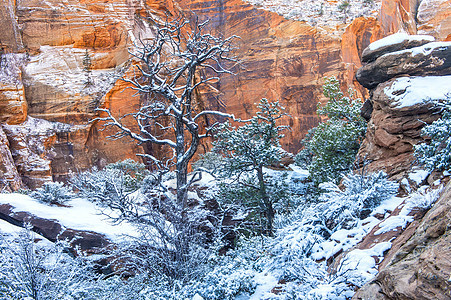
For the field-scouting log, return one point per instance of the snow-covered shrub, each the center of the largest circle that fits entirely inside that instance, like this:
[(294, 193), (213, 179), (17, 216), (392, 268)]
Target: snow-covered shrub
[(31, 270), (423, 198), (134, 172), (292, 250), (112, 186), (333, 145), (52, 193), (436, 155), (225, 281), (340, 209), (303, 158)]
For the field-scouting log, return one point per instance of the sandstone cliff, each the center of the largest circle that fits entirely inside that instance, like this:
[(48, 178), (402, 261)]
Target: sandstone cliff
[(282, 59)]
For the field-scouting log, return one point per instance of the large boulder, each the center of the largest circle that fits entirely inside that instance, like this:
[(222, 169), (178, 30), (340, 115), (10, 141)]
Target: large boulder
[(401, 108), (429, 59)]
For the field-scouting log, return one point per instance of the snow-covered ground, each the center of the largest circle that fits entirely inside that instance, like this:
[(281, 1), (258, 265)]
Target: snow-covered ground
[(296, 262), (80, 215)]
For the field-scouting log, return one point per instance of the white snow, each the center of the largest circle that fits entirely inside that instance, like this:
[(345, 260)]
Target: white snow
[(398, 38), (320, 13), (393, 222), (363, 263), (298, 172), (409, 91), (81, 215), (265, 283), (418, 175), (427, 48), (424, 197)]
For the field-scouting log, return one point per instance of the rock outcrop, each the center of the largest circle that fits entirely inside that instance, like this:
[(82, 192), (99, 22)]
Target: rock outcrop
[(428, 59), (421, 266), (406, 76), (401, 105)]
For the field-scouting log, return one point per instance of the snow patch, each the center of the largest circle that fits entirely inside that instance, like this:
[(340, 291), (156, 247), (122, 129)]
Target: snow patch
[(418, 176), (81, 215), (409, 91)]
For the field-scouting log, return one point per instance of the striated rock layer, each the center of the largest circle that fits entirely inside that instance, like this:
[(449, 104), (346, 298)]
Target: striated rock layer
[(281, 60)]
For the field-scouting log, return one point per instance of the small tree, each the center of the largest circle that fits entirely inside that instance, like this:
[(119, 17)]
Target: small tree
[(168, 78), (333, 145), (249, 148), (87, 69)]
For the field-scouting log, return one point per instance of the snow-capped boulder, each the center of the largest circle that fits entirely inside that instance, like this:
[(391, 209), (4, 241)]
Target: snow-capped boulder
[(392, 43), (429, 59), (404, 86), (401, 107)]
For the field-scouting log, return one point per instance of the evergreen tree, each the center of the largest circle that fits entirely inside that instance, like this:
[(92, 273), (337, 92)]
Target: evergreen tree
[(333, 145), (249, 148), (87, 67)]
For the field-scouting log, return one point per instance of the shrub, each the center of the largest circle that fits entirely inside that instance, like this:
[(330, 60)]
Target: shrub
[(341, 209), (52, 193), (436, 154), (32, 270)]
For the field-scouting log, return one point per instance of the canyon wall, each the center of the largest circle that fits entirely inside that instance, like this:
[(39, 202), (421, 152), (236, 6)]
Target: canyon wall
[(47, 42)]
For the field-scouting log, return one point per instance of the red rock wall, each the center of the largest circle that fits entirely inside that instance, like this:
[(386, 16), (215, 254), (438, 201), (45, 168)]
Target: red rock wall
[(281, 60)]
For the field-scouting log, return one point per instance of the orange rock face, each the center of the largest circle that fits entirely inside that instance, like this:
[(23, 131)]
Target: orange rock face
[(434, 18), (398, 15), (281, 60)]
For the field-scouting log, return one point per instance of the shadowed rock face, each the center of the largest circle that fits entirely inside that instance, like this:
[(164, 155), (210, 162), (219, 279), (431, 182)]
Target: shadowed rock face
[(428, 59)]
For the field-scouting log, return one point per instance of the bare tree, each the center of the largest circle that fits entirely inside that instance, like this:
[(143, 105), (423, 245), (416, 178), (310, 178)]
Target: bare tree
[(166, 78)]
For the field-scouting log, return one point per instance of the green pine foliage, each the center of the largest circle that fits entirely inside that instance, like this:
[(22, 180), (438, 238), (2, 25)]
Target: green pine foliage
[(436, 154), (246, 150), (333, 145)]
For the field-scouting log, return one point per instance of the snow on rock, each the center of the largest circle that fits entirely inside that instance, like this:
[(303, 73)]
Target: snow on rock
[(321, 13), (424, 197), (398, 38), (409, 91), (418, 176), (8, 231), (80, 215), (265, 283), (363, 262)]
